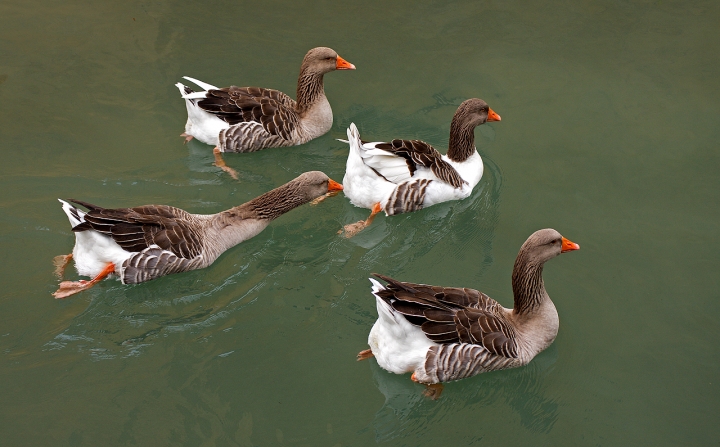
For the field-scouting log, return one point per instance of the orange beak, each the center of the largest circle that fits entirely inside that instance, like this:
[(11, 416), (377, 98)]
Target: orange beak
[(334, 186), (492, 116), (568, 245), (342, 64)]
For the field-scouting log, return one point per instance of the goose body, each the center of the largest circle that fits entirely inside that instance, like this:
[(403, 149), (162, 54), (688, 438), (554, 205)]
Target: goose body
[(442, 334), (407, 175), (247, 119), (143, 243)]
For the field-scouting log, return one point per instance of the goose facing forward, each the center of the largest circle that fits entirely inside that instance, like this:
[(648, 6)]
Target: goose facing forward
[(441, 334), (407, 175), (247, 119), (146, 242)]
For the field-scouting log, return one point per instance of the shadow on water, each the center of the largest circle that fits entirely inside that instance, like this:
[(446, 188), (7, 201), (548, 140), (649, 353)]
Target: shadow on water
[(406, 412)]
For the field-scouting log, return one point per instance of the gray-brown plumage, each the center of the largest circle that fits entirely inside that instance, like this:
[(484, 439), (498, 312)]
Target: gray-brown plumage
[(247, 119), (149, 241), (447, 333)]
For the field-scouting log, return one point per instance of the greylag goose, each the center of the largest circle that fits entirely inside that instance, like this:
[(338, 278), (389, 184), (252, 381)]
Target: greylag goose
[(247, 119), (146, 242), (441, 334), (407, 175)]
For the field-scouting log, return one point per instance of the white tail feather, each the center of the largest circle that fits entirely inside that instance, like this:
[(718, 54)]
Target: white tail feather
[(201, 84), (75, 216), (385, 311)]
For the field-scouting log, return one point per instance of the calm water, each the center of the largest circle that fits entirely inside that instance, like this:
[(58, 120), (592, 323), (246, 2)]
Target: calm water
[(609, 134)]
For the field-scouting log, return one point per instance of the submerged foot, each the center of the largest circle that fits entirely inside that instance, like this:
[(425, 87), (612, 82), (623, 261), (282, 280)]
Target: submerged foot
[(354, 228), (432, 390), (364, 355), (60, 262), (220, 163), (187, 137)]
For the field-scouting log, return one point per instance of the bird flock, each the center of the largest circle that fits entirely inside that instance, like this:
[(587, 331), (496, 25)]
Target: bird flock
[(438, 334)]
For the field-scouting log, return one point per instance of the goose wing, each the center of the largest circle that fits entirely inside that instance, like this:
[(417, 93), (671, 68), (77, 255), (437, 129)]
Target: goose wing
[(453, 315), (136, 229), (398, 160), (274, 110)]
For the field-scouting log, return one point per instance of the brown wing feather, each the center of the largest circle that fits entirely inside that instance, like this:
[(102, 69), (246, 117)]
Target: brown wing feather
[(271, 108), (416, 152), (453, 315), (136, 229)]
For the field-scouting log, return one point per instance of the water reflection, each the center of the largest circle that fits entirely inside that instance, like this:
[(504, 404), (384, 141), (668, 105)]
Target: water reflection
[(406, 412)]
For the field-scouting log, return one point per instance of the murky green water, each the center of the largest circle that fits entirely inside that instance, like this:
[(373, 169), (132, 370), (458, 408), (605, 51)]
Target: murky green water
[(609, 134)]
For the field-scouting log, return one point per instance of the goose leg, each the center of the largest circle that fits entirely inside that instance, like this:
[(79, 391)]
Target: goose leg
[(187, 137), (364, 355), (220, 163), (432, 390), (68, 288), (354, 228), (60, 262)]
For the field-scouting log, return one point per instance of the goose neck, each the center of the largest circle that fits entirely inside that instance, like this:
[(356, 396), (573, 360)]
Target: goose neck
[(528, 287), (310, 90), (462, 141)]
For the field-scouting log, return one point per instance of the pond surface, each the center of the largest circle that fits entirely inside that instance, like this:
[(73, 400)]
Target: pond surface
[(609, 134)]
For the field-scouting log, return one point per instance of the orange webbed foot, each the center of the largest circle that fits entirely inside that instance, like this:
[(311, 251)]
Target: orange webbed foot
[(68, 288), (220, 163), (187, 137), (364, 355)]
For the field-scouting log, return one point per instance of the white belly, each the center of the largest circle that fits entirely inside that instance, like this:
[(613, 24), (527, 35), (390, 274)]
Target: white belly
[(93, 251)]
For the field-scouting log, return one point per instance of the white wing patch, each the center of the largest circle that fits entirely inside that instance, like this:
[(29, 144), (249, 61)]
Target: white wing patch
[(389, 165)]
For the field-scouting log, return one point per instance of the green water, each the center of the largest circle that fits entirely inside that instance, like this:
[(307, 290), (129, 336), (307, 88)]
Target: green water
[(609, 134)]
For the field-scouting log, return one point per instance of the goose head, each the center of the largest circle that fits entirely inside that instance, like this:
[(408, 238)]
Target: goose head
[(474, 112), (313, 184), (544, 245), (323, 60)]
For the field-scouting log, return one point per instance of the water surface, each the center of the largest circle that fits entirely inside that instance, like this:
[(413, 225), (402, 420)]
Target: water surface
[(609, 135)]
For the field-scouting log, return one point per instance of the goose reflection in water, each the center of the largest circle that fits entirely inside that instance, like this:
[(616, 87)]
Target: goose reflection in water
[(407, 412)]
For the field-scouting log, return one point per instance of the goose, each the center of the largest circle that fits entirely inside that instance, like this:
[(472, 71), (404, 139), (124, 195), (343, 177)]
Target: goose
[(248, 119), (146, 242), (408, 175), (441, 334)]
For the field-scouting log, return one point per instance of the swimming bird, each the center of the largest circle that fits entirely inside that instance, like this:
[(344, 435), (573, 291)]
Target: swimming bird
[(441, 334), (247, 119), (408, 175), (146, 242)]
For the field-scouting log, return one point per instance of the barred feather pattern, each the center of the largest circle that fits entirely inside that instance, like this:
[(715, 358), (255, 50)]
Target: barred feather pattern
[(407, 197), (455, 361), (250, 137), (155, 262)]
